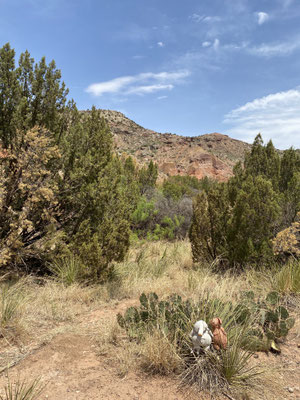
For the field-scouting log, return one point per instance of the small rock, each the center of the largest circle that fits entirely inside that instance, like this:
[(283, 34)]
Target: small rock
[(255, 355), (291, 390), (298, 345)]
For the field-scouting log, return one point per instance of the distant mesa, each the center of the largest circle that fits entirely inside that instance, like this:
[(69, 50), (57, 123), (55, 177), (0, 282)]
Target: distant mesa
[(212, 155)]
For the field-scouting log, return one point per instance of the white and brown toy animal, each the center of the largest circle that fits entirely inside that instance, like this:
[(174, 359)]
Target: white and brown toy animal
[(201, 336), (219, 334)]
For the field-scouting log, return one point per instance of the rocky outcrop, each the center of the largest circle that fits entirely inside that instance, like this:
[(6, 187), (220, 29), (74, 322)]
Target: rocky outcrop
[(212, 155)]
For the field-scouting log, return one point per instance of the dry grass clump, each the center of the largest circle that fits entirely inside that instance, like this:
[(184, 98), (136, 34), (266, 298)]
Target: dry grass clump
[(67, 270), (13, 297), (116, 348), (159, 355), (202, 374), (286, 280), (52, 302)]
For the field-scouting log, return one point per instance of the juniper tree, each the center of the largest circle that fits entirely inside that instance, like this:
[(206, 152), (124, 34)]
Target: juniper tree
[(31, 94), (94, 199), (147, 177), (58, 173), (240, 227), (253, 222), (208, 231), (28, 200)]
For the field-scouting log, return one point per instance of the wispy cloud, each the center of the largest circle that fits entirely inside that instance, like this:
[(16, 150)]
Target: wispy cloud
[(276, 49), (205, 18), (162, 97), (149, 89), (143, 83), (160, 44), (275, 116), (286, 3), (262, 17), (138, 57)]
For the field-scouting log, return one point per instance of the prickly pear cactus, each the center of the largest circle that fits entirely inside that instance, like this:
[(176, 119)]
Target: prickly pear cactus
[(272, 319)]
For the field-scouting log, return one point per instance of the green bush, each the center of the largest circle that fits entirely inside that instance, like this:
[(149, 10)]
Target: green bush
[(177, 186)]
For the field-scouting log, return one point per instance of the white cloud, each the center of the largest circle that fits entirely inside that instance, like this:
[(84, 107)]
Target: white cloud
[(275, 49), (216, 44), (113, 86), (160, 44), (143, 83), (149, 89), (275, 116), (206, 44), (262, 17), (210, 18), (162, 97)]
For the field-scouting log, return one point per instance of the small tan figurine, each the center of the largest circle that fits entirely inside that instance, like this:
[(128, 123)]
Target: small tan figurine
[(219, 334)]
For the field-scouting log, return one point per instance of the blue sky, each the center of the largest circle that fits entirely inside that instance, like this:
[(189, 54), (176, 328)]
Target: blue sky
[(182, 66)]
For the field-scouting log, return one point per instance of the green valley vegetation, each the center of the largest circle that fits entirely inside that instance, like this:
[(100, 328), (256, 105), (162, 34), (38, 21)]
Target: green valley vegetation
[(236, 221)]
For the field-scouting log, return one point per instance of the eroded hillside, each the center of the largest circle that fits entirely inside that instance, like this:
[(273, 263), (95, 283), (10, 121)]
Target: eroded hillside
[(212, 155)]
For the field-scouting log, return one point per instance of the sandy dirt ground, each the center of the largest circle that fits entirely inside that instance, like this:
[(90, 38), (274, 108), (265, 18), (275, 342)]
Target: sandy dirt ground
[(70, 366)]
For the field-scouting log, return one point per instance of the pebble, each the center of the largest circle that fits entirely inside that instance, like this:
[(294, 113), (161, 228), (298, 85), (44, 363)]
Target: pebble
[(291, 390), (255, 355)]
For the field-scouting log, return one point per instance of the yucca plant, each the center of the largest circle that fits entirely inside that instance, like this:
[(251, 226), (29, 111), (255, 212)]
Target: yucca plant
[(67, 270), (22, 390), (12, 297), (233, 363)]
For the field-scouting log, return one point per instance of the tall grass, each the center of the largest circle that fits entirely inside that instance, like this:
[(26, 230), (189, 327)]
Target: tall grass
[(12, 299), (286, 279), (166, 268)]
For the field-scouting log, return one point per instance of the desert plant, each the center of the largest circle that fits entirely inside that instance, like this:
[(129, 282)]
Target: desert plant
[(271, 320), (286, 279), (174, 317), (234, 363), (11, 300), (67, 270), (159, 355), (202, 374), (162, 329), (22, 390)]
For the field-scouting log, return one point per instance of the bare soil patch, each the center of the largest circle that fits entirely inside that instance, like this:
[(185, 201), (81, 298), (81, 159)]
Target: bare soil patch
[(71, 367)]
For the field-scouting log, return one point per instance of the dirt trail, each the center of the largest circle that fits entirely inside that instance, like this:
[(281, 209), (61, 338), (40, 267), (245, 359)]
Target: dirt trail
[(72, 369)]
